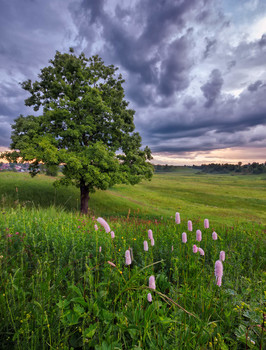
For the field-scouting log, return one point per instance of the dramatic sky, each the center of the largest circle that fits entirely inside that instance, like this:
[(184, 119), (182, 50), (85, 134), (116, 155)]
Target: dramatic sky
[(195, 70)]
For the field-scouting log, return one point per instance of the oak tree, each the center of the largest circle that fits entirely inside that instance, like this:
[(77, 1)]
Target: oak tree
[(84, 124)]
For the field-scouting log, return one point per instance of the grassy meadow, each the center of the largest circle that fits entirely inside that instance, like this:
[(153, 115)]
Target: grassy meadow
[(64, 283), (225, 199)]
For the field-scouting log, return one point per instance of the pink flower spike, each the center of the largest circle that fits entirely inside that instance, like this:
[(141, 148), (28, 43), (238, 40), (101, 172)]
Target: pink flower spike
[(145, 246), (172, 248), (198, 235), (17, 233), (177, 218), (222, 255), (149, 297), (189, 225), (128, 257), (195, 248), (152, 242), (112, 264), (214, 236), (152, 282), (184, 237), (206, 223), (150, 235), (100, 249), (96, 227), (112, 234), (201, 251), (219, 281), (218, 269), (104, 224), (131, 253)]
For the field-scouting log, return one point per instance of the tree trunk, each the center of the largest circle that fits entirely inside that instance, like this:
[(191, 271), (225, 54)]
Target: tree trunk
[(84, 198)]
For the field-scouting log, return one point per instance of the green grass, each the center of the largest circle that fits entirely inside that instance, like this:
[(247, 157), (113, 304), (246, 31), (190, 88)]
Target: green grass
[(221, 198), (57, 291)]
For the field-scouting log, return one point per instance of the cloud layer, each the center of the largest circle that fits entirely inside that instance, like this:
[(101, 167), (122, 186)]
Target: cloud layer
[(195, 70)]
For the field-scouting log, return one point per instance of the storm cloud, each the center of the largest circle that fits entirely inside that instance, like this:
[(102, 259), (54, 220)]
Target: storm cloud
[(194, 70)]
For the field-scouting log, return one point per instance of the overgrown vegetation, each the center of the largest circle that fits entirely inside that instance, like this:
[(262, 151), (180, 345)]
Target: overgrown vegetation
[(58, 289)]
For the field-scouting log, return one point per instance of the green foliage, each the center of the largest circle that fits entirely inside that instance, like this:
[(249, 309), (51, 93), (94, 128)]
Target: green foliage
[(85, 124), (58, 290), (250, 168), (52, 170)]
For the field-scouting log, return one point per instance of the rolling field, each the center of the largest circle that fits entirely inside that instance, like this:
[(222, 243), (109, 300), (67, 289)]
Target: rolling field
[(65, 284), (223, 198)]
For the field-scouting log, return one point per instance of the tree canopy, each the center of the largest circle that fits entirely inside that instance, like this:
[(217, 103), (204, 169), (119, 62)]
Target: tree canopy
[(85, 124)]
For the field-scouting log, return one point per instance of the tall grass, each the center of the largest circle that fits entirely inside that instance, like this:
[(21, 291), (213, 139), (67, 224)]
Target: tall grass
[(59, 292)]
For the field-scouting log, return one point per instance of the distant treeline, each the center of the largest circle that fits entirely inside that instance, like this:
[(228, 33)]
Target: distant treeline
[(213, 168), (250, 168), (169, 168)]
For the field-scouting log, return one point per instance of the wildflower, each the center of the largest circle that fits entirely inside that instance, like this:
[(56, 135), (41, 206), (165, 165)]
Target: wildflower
[(131, 253), (201, 251), (17, 233), (198, 235), (222, 255), (218, 270), (146, 246), (206, 223), (150, 235), (100, 249), (128, 257), (112, 234), (177, 218), (214, 236), (152, 242), (152, 282), (195, 248), (184, 237), (189, 225), (96, 227), (172, 248), (112, 264), (149, 297), (104, 224)]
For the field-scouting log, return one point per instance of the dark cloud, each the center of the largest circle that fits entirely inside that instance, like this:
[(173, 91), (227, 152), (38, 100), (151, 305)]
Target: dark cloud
[(235, 122), (210, 46), (94, 9), (175, 68), (189, 102), (255, 86), (231, 64), (262, 41), (195, 81), (165, 16), (212, 89)]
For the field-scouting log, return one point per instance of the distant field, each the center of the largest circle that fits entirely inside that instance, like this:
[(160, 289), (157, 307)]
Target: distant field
[(221, 198)]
